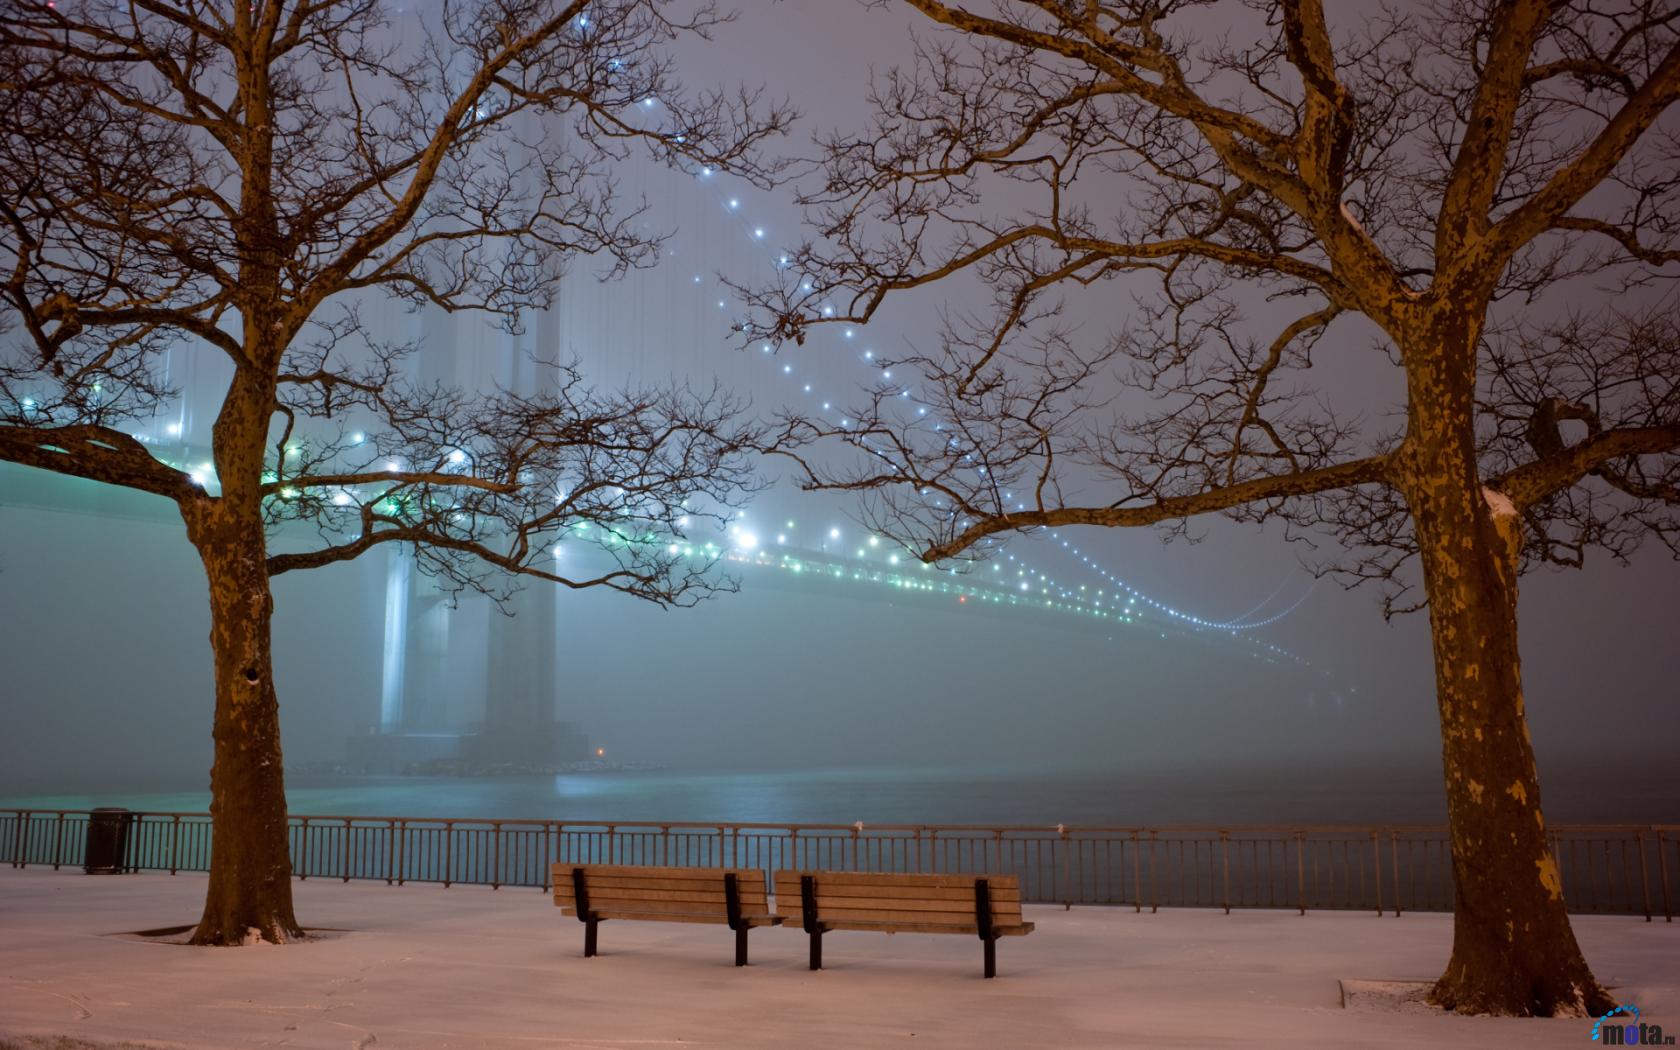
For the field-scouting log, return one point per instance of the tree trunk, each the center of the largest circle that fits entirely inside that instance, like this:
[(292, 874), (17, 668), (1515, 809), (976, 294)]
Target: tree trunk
[(250, 864), (1514, 951), (250, 887)]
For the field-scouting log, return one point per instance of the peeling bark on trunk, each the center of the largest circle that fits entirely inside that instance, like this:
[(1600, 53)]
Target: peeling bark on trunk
[(250, 862), (1514, 951)]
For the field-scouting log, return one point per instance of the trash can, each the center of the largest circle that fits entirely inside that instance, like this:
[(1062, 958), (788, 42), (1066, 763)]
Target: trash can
[(107, 841)]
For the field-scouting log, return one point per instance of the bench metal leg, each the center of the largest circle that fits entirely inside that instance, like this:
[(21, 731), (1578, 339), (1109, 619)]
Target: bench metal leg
[(983, 923), (813, 923), (741, 946), (589, 938)]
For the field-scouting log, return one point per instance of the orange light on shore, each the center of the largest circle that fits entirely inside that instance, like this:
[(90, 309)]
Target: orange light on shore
[(600, 751)]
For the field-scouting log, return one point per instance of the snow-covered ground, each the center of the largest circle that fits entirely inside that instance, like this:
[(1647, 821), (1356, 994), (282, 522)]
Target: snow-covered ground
[(422, 966)]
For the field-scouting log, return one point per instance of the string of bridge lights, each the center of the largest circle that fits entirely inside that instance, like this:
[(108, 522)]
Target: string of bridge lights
[(966, 587), (732, 205), (1031, 588)]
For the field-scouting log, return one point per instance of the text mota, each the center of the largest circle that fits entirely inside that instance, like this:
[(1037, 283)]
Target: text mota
[(1634, 1032)]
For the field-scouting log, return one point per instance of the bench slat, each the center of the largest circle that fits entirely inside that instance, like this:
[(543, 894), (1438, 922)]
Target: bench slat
[(714, 920), (655, 882), (830, 900), (644, 870), (871, 879), (827, 912), (912, 927), (930, 893), (790, 899), (934, 914), (652, 907), (658, 875), (849, 900), (650, 871), (564, 891)]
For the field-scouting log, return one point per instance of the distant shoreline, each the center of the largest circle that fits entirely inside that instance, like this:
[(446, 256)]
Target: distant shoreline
[(450, 767), (987, 793)]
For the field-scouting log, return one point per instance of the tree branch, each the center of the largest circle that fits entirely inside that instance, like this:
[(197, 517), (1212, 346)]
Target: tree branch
[(98, 454), (1533, 482)]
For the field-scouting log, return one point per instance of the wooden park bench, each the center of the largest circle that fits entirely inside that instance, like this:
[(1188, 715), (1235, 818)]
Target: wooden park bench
[(597, 892), (819, 901)]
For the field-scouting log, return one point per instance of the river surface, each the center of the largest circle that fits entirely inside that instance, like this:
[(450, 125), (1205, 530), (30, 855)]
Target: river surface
[(1303, 792)]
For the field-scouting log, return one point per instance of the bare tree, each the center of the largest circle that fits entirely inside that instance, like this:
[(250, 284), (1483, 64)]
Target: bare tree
[(238, 178), (1488, 186)]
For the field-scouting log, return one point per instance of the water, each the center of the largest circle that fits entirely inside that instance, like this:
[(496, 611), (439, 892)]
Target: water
[(1304, 792)]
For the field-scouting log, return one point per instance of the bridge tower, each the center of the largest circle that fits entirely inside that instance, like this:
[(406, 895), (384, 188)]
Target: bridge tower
[(463, 681)]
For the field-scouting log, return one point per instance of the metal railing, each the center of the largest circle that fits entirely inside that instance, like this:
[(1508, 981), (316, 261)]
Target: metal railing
[(1607, 869)]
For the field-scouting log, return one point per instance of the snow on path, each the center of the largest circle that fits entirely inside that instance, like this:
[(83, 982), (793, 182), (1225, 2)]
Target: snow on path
[(422, 966)]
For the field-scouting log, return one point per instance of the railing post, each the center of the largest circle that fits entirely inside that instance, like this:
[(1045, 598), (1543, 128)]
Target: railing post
[(1644, 873), (1557, 855), (344, 854), (390, 852), (1376, 867), (1662, 874), (1394, 867), (495, 854), (551, 854), (448, 852), (402, 852), (18, 856), (1137, 876), (58, 840), (1066, 846), (1154, 883), (303, 849), (1225, 862), (1301, 871), (174, 843)]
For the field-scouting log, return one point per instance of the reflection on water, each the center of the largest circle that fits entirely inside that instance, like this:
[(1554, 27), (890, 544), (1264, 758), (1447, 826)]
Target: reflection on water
[(1022, 796)]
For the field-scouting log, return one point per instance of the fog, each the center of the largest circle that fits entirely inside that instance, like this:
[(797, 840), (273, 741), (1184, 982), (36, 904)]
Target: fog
[(107, 672), (106, 678)]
